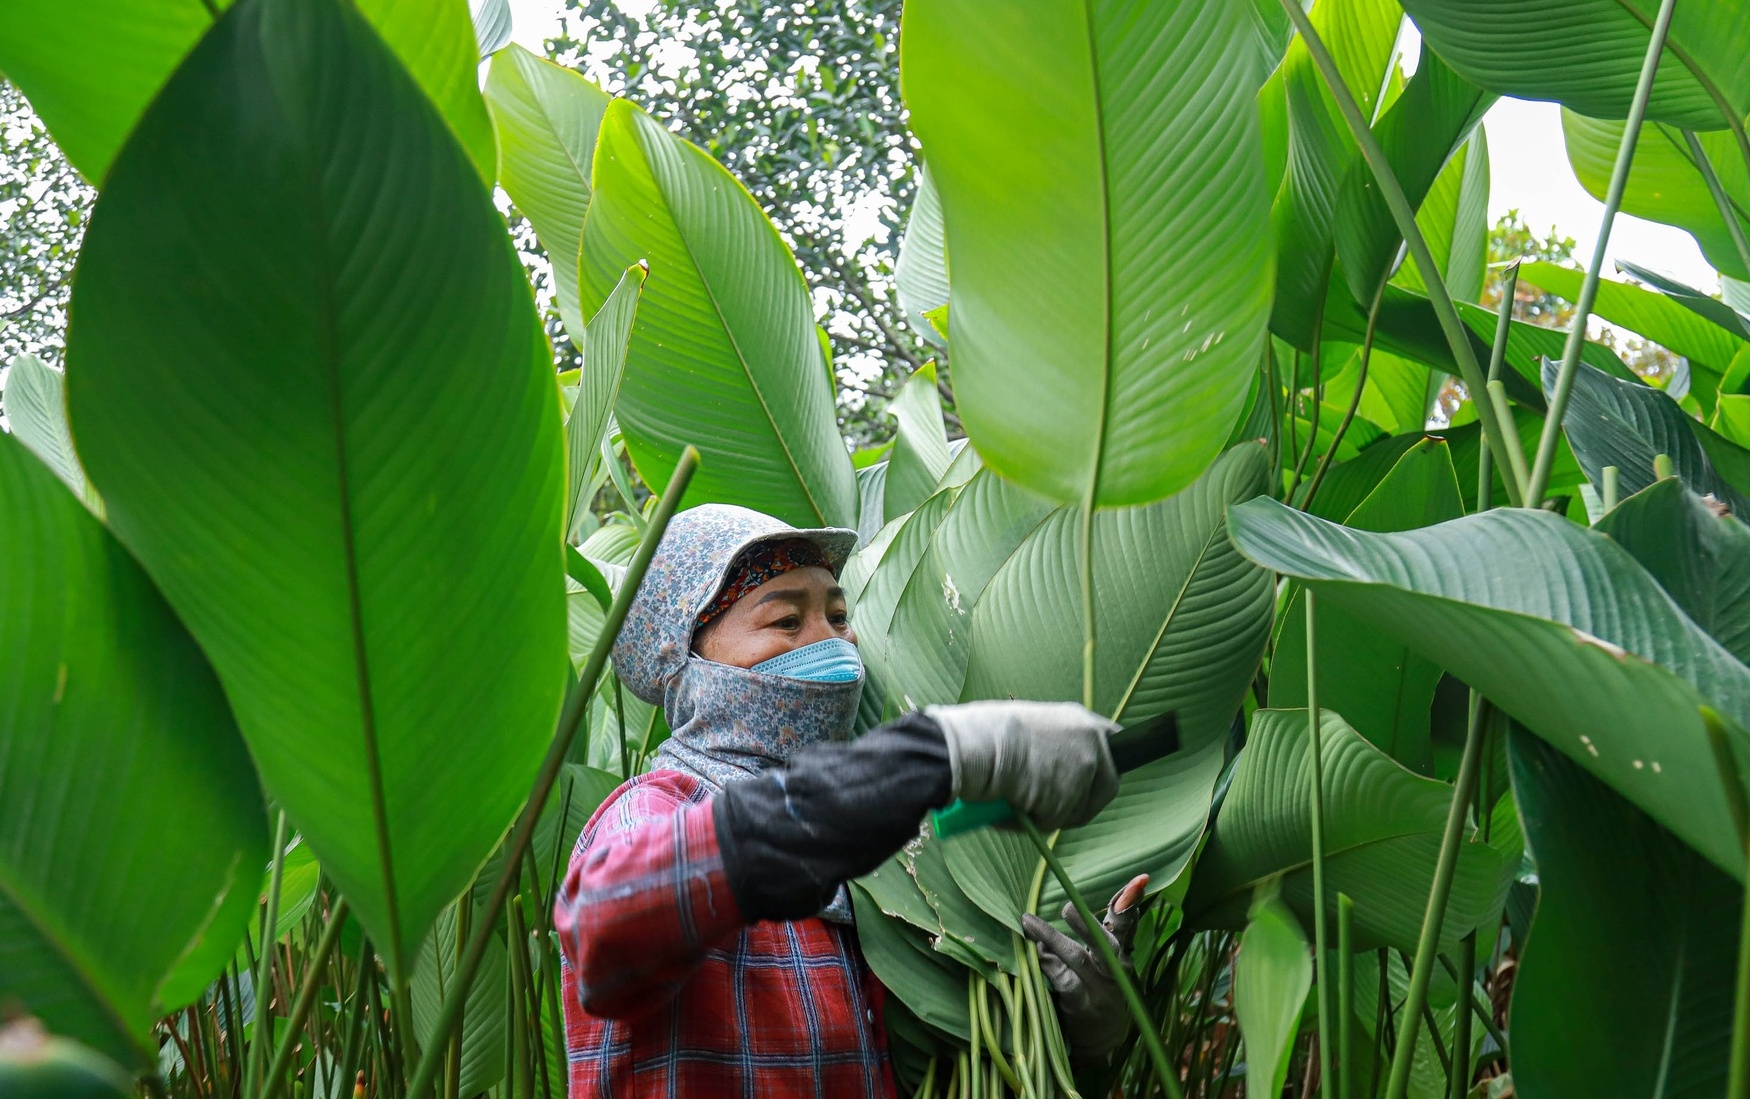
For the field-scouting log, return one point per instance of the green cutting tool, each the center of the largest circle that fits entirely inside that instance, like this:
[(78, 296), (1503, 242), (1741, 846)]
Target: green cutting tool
[(1131, 748)]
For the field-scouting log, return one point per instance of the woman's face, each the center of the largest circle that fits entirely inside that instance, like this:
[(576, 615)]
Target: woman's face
[(786, 612)]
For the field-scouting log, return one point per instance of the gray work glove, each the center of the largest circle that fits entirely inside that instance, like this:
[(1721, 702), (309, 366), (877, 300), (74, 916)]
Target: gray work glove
[(1089, 1004), (1049, 760)]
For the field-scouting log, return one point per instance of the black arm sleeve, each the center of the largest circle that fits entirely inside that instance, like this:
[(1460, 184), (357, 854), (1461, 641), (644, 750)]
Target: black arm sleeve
[(791, 836)]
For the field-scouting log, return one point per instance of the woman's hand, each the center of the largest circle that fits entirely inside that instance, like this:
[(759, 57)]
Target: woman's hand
[(1049, 760), (1089, 1004)]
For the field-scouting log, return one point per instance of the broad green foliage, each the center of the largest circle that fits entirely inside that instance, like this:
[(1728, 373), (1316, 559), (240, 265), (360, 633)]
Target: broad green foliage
[(1419, 132), (1709, 348), (1318, 150), (1611, 422), (306, 378), (1587, 54), (131, 826), (35, 404), (546, 119), (483, 1022), (492, 25), (604, 369), (1407, 327), (920, 272), (91, 67), (1105, 201), (1453, 219), (1510, 601), (920, 448), (1664, 183), (1626, 980), (724, 353), (1700, 558), (932, 986), (931, 619), (1271, 978), (322, 527), (1382, 830), (1179, 617), (1381, 687)]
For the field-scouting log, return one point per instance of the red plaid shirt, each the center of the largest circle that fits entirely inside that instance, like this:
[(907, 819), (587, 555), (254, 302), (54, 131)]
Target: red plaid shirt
[(668, 992)]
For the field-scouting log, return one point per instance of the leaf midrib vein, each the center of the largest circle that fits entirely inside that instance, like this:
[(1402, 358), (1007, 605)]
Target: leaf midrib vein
[(729, 334), (328, 340)]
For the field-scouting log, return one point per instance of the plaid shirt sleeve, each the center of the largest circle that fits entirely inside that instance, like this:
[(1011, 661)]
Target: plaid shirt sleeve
[(645, 897)]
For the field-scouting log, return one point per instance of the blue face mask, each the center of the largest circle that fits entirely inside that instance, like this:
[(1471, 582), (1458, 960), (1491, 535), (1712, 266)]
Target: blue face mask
[(834, 660)]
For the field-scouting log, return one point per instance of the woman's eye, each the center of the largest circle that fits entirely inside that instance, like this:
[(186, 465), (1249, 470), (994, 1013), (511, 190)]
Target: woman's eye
[(788, 622), (841, 619)]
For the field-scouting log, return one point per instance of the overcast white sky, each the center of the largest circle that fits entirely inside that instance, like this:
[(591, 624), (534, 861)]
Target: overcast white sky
[(1528, 170)]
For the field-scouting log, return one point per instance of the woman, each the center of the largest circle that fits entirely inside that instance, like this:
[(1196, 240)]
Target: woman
[(704, 920)]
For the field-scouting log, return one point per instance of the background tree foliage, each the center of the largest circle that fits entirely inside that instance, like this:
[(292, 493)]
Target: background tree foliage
[(43, 204)]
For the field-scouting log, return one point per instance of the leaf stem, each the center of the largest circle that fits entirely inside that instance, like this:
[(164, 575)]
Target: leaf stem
[(1321, 961), (1312, 487), (1463, 791), (1461, 1027), (1318, 402), (1495, 394), (1625, 155), (311, 985), (576, 703), (1345, 995), (1103, 945), (1087, 578), (1721, 201), (1457, 336), (1497, 357), (264, 966)]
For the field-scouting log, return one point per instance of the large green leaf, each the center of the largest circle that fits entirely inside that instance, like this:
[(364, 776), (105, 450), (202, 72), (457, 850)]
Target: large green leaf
[(1664, 183), (1320, 150), (1105, 199), (1380, 686), (920, 446), (1708, 347), (1427, 1073), (91, 67), (484, 1014), (1611, 422), (35, 404), (724, 353), (1700, 558), (1453, 219), (1180, 623), (492, 25), (1723, 314), (920, 272), (306, 375), (131, 824), (1271, 978), (1180, 619), (931, 625), (604, 368), (1423, 133), (1383, 825), (1625, 985), (1587, 54), (1653, 315), (928, 983), (546, 117), (1407, 327), (1512, 601)]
